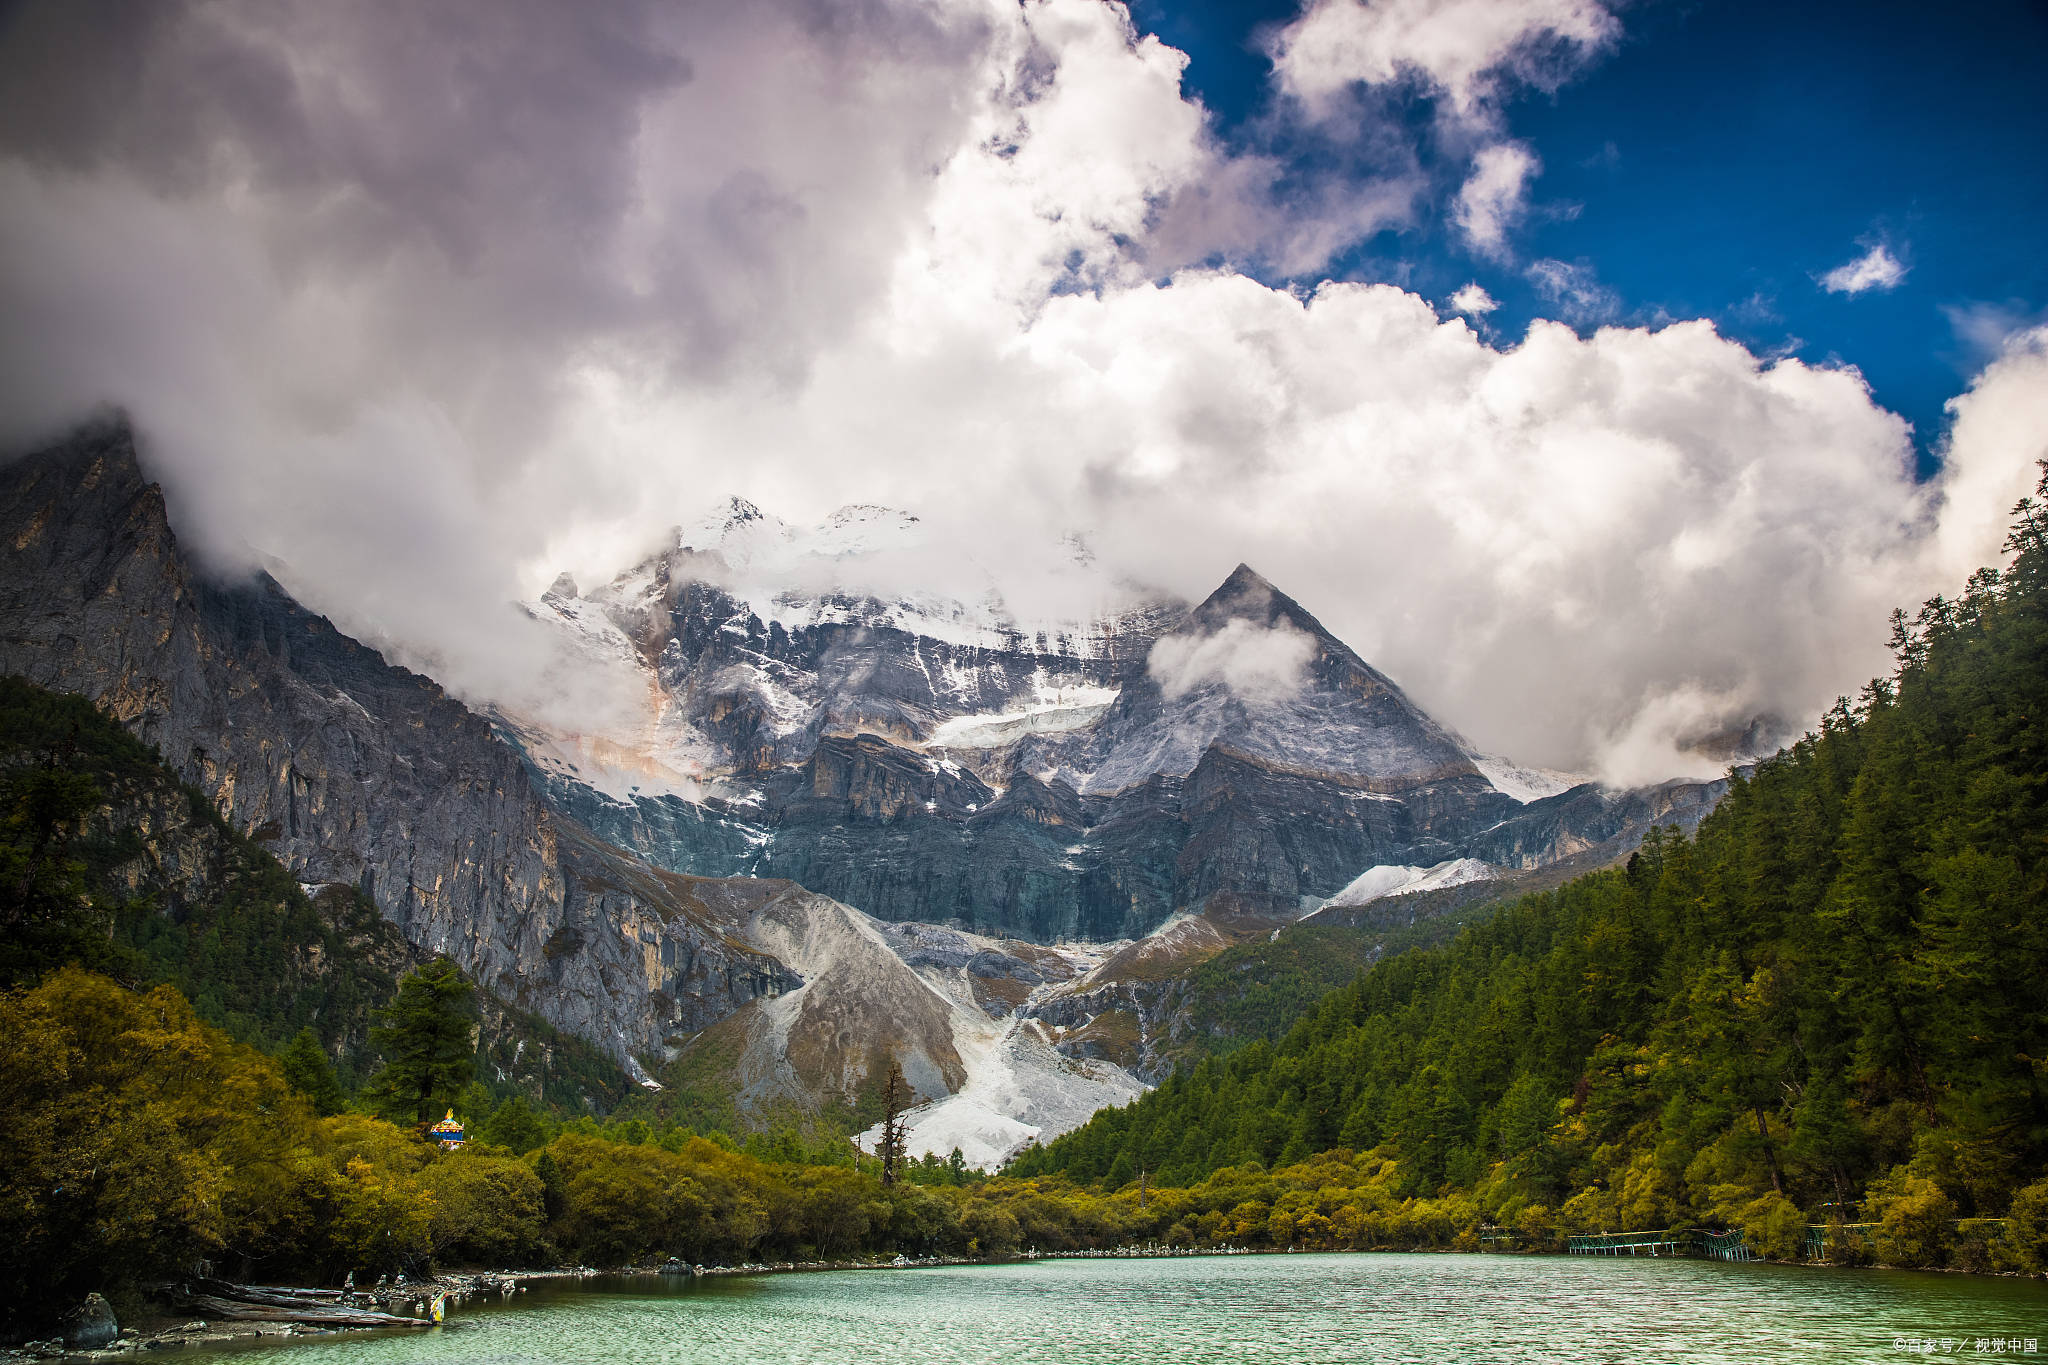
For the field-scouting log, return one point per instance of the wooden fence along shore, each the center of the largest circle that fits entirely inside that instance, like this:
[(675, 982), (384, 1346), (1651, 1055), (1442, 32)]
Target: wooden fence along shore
[(1819, 1241), (1718, 1246)]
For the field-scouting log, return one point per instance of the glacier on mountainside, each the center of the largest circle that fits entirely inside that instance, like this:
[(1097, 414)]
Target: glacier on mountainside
[(1020, 1089), (1525, 783), (1069, 709), (1392, 880)]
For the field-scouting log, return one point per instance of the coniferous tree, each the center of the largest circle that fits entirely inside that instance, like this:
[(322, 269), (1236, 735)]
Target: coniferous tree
[(554, 1187), (474, 1106), (46, 912), (895, 1099), (308, 1071), (513, 1124), (427, 1035)]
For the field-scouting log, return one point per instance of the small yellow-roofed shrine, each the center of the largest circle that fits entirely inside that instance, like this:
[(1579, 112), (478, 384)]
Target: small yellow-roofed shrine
[(448, 1132)]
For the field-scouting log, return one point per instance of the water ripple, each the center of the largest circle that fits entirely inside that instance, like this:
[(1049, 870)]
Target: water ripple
[(1301, 1310)]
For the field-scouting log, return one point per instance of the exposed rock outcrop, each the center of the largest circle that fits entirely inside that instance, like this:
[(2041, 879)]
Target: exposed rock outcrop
[(349, 769), (91, 1325)]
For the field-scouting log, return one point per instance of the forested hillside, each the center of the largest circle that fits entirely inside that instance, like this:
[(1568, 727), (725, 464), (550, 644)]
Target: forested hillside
[(1258, 990), (1831, 996), (108, 861)]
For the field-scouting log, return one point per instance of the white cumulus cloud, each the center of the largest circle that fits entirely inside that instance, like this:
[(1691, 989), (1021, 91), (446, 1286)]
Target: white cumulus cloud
[(1876, 268), (1496, 196), (1461, 50), (1473, 301)]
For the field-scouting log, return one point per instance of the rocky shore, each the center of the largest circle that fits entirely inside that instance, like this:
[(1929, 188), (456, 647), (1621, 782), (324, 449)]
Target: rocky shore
[(287, 1313), (261, 1311)]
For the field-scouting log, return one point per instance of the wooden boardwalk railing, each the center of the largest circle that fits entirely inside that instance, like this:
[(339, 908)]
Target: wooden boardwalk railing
[(1684, 1242), (1819, 1240)]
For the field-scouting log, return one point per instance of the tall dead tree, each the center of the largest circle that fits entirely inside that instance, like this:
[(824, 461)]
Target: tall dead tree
[(895, 1099)]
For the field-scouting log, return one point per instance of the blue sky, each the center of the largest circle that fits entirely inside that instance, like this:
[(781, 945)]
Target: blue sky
[(1724, 156)]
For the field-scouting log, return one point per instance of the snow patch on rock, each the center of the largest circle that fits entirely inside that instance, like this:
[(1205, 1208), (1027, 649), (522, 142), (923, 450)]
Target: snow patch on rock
[(639, 1073), (1075, 708), (1390, 879), (1525, 784)]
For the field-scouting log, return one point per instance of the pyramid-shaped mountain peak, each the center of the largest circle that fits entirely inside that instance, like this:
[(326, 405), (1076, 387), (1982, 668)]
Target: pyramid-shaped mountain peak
[(1248, 595), (1244, 578)]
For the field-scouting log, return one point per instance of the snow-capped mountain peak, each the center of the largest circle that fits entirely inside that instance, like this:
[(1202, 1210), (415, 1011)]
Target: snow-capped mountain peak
[(796, 690), (737, 532)]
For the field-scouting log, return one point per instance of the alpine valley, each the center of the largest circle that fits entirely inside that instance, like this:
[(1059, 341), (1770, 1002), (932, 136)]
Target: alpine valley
[(1038, 864)]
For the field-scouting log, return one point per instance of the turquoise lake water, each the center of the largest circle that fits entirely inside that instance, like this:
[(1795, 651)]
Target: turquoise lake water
[(1308, 1308)]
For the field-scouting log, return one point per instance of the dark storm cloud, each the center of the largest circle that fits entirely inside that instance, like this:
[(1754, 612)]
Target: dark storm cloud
[(502, 142), (448, 122), (346, 263)]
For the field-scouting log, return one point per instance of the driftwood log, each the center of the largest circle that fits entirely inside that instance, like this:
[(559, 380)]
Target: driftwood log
[(277, 1296), (262, 1303)]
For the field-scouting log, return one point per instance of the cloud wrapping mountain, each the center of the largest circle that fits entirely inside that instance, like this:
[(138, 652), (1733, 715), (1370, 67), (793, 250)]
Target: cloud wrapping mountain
[(425, 306), (1254, 662)]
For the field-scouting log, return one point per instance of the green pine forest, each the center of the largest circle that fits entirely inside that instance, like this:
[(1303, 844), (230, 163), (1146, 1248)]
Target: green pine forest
[(1829, 1002)]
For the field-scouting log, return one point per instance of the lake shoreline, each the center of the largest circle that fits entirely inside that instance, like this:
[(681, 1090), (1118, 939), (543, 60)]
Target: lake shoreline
[(1166, 1310), (455, 1288)]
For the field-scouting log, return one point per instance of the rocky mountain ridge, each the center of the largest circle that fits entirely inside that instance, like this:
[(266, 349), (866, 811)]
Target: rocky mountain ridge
[(375, 788), (936, 761), (349, 770)]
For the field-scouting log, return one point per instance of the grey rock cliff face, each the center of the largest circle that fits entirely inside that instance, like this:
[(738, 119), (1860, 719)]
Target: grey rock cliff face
[(350, 770)]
